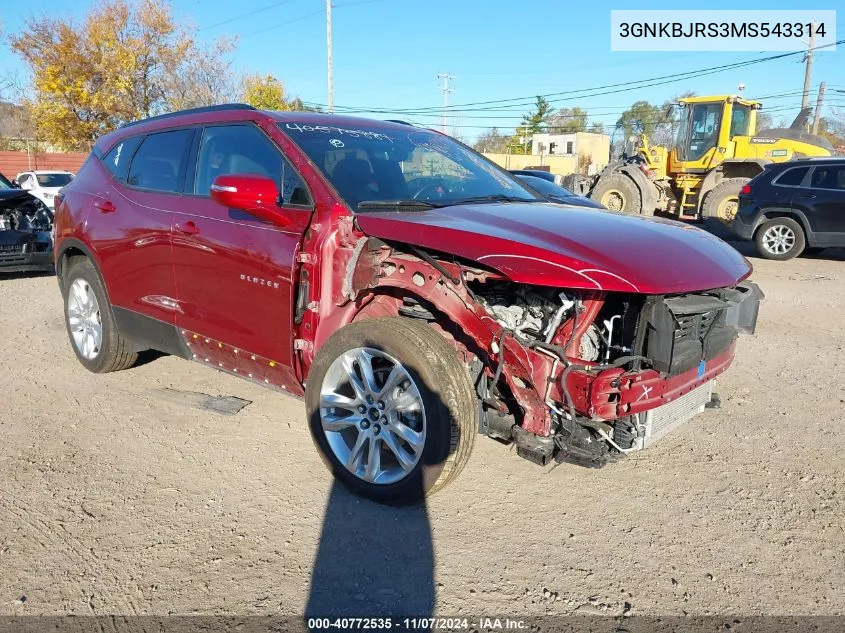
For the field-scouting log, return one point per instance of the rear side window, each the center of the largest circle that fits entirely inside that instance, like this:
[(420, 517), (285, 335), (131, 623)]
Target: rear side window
[(828, 177), (792, 177), (117, 160), (158, 163)]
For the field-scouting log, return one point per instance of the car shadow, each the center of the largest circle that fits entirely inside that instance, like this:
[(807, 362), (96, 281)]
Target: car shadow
[(376, 560), (372, 560), (27, 274)]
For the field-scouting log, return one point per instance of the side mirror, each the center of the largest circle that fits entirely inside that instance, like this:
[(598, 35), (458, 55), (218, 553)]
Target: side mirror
[(257, 195)]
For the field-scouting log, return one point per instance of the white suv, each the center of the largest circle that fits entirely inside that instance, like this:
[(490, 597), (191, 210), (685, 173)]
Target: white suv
[(44, 185)]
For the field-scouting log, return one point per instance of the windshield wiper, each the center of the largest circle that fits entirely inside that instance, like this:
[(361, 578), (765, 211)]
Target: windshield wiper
[(397, 205), (498, 197)]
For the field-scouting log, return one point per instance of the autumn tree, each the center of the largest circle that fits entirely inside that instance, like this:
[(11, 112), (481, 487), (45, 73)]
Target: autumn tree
[(125, 61), (492, 141)]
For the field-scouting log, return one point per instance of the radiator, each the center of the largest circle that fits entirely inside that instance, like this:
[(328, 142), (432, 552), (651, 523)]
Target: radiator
[(656, 423)]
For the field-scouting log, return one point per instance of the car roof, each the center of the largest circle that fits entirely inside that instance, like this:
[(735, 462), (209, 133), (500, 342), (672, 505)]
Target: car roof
[(240, 112)]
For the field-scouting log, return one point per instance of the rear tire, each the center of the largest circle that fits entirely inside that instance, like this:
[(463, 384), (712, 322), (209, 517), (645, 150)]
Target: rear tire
[(780, 239), (417, 432), (618, 192), (90, 323), (722, 201)]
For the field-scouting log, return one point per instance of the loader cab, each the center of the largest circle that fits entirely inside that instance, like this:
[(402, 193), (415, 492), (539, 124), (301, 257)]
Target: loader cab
[(706, 128)]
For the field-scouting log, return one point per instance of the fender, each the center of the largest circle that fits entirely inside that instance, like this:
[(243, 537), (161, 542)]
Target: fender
[(789, 212), (68, 243), (746, 165)]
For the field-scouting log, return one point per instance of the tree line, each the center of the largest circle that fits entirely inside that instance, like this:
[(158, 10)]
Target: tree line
[(126, 60), (657, 121)]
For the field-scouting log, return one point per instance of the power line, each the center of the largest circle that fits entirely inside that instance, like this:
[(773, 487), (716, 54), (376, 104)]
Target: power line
[(622, 87), (243, 15)]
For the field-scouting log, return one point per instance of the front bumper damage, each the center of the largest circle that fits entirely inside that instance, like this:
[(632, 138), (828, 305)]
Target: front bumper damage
[(25, 251), (689, 340)]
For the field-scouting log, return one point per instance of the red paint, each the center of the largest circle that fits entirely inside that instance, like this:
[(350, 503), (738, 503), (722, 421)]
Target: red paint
[(570, 247), (233, 266)]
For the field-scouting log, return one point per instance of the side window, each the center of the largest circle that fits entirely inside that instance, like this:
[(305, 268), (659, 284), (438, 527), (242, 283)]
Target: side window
[(158, 162), (792, 177), (244, 149), (117, 160), (828, 177)]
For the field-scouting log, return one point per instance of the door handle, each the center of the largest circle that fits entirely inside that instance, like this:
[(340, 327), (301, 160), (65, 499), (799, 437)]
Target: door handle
[(106, 206), (807, 195), (189, 228)]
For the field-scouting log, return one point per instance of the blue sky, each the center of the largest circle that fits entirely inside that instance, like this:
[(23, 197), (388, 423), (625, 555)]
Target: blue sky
[(387, 53)]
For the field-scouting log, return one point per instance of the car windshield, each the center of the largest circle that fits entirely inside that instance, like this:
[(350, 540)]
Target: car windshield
[(415, 167), (5, 183), (53, 180), (546, 187)]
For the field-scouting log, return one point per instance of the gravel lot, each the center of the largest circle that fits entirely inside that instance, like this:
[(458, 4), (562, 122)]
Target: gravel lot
[(117, 500)]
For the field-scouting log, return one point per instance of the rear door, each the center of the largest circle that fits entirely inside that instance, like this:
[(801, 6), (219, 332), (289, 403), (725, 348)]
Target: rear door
[(823, 201), (234, 272), (129, 226)]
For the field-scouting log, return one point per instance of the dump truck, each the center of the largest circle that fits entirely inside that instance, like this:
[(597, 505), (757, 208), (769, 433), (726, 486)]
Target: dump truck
[(716, 151)]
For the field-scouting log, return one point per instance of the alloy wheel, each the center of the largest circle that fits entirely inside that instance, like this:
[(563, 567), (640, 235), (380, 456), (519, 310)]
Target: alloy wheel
[(779, 239), (373, 416), (84, 320)]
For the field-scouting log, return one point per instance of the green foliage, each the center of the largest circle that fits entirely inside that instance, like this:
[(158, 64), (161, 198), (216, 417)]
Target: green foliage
[(568, 120)]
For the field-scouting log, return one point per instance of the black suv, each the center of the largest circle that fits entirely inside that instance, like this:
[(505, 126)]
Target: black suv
[(794, 207)]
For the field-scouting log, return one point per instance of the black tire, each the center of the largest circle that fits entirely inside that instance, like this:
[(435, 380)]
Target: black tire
[(114, 352), (717, 201), (448, 398), (618, 192), (785, 226)]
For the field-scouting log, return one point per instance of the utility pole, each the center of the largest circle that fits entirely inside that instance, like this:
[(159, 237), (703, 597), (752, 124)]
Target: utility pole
[(330, 101), (446, 77), (808, 69), (818, 115)]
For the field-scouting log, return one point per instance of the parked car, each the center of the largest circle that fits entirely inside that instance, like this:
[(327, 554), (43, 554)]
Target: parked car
[(794, 207), (539, 173), (25, 231), (6, 183), (44, 185), (313, 254), (556, 193)]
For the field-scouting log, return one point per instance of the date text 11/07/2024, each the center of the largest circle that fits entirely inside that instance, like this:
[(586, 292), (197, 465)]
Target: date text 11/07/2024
[(416, 624)]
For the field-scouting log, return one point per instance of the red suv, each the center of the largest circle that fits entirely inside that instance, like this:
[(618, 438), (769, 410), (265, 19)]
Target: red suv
[(412, 291)]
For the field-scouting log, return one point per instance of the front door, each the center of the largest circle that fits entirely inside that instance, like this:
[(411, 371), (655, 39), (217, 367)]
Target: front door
[(234, 272)]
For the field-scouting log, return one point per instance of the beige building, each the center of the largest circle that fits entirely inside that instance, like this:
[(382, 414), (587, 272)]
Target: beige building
[(582, 152)]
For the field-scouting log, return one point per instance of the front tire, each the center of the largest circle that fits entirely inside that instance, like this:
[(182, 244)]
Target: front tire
[(90, 322), (618, 192), (780, 239), (722, 201), (391, 409)]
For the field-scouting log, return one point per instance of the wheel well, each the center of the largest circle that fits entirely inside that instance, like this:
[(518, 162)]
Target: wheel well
[(67, 257), (771, 215)]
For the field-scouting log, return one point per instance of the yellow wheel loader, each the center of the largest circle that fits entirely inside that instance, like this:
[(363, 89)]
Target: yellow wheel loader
[(717, 150)]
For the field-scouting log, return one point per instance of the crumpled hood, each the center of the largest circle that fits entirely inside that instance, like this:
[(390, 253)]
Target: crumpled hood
[(570, 247)]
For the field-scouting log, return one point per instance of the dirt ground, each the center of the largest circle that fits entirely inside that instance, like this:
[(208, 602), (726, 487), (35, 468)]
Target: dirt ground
[(117, 500)]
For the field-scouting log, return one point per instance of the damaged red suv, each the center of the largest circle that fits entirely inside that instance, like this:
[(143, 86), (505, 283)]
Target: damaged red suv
[(413, 292)]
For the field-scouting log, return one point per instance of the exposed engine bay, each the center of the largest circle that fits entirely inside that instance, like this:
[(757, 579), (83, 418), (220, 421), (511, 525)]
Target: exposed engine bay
[(625, 337), (26, 225)]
